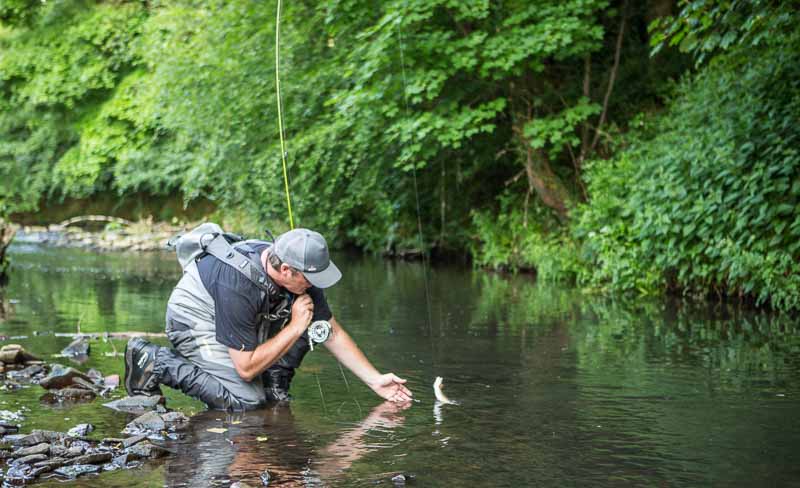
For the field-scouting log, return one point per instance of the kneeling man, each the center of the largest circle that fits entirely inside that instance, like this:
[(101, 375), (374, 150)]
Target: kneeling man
[(239, 335)]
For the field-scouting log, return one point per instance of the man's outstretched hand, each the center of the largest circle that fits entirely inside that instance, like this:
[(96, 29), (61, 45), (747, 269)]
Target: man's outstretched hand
[(392, 388)]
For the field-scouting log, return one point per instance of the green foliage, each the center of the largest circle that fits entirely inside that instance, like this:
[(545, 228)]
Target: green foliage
[(705, 27), (707, 199), (523, 236)]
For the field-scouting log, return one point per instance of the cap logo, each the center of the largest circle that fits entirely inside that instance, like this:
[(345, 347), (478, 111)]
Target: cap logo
[(311, 268)]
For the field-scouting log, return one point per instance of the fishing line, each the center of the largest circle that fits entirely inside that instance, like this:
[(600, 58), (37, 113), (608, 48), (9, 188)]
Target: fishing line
[(281, 134), (416, 198)]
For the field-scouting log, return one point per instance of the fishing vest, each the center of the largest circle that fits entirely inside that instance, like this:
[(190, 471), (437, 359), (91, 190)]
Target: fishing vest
[(191, 304)]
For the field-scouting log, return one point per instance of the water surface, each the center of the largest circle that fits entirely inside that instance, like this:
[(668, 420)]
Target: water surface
[(556, 388)]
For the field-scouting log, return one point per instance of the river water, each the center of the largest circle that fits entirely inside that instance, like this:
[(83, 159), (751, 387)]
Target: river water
[(556, 388)]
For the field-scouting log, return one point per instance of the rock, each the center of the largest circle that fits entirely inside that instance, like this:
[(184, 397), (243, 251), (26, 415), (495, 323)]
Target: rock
[(75, 450), (93, 458), (132, 441), (135, 404), (399, 480), (52, 463), (57, 450), (148, 423), (33, 458), (78, 347), (175, 420), (80, 430), (72, 472), (88, 385), (17, 475), (26, 440), (8, 428), (61, 377), (9, 416), (42, 448), (26, 374), (67, 395), (111, 381), (265, 478), (95, 376), (14, 353), (146, 450), (121, 460)]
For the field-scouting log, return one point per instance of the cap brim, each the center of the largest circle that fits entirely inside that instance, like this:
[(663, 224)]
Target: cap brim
[(326, 278)]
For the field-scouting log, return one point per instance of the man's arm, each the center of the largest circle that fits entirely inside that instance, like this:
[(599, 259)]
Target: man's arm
[(250, 364), (388, 385)]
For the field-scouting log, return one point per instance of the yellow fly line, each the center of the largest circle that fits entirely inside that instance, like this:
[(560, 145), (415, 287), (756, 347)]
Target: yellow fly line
[(280, 112)]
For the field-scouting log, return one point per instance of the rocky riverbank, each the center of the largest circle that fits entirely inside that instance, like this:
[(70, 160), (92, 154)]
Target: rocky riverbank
[(68, 455), (114, 236)]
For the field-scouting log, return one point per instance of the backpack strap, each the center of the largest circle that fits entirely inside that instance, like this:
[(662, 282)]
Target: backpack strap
[(220, 248)]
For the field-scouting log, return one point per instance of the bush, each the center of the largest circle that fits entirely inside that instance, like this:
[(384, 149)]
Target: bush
[(707, 199)]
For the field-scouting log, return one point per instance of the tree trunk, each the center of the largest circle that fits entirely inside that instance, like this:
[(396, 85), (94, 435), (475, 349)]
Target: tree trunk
[(541, 178), (7, 231)]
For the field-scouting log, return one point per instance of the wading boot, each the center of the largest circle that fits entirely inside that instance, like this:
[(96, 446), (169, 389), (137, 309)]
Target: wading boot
[(276, 384), (278, 377), (140, 360)]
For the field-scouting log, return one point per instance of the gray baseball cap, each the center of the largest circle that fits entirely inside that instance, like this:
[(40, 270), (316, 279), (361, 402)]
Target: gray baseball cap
[(307, 251)]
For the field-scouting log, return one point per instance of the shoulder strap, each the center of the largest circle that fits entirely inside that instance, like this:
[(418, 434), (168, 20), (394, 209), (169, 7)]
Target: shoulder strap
[(221, 249)]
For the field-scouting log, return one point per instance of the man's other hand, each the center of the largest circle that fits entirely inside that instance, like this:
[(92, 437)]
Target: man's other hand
[(392, 388)]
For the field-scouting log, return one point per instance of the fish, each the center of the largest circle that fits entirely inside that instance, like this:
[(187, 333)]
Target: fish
[(437, 390)]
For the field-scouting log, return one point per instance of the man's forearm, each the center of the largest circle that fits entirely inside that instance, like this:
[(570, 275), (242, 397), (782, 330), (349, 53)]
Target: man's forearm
[(250, 364), (342, 346)]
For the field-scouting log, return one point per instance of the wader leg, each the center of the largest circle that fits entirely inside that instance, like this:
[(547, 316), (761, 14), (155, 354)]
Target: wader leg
[(177, 372), (278, 377), (185, 369)]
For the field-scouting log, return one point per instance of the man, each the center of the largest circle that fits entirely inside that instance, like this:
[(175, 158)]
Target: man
[(238, 338)]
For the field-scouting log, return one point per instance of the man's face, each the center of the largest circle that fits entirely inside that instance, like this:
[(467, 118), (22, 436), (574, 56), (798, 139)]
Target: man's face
[(292, 280)]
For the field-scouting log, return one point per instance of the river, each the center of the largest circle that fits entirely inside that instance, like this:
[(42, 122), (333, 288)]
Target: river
[(556, 387)]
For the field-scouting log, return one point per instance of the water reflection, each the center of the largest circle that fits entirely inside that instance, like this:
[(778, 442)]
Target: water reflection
[(565, 388), (272, 441)]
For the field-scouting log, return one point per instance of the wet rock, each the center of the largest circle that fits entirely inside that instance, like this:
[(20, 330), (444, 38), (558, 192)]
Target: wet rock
[(17, 475), (26, 440), (61, 377), (14, 354), (80, 430), (88, 385), (399, 480), (75, 450), (135, 404), (265, 478), (72, 472), (52, 463), (42, 448), (146, 450), (26, 374), (68, 395), (111, 381), (147, 423), (122, 460), (8, 428), (175, 420), (57, 450), (9, 416), (78, 347), (33, 458), (96, 376), (132, 441), (93, 458)]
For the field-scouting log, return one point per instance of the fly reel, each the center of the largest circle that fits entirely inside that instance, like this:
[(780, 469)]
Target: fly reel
[(319, 332)]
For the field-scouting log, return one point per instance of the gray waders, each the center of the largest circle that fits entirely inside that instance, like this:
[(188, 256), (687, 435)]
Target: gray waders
[(200, 366)]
